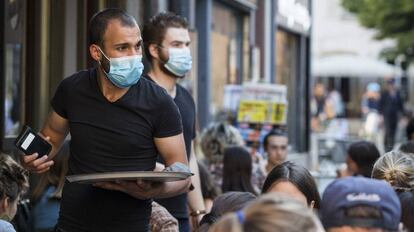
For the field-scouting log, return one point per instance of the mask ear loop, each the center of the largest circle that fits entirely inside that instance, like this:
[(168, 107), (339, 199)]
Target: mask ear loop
[(99, 61)]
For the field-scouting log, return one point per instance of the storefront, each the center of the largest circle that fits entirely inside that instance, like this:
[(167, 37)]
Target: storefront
[(292, 66)]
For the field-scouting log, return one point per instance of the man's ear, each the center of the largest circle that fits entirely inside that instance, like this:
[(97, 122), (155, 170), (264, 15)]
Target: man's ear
[(153, 50), (95, 53)]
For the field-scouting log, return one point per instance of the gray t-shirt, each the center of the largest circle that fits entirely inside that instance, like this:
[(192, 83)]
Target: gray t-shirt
[(5, 226)]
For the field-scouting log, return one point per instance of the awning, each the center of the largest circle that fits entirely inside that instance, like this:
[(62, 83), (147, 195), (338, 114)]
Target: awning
[(347, 65)]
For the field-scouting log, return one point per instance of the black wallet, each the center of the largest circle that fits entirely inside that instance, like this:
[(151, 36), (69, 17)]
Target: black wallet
[(30, 142)]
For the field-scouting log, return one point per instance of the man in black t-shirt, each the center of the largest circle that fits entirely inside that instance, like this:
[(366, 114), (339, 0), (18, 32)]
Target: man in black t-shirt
[(167, 40), (118, 122)]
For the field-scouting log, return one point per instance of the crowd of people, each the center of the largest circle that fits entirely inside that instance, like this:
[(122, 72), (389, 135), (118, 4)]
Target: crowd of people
[(381, 110), (120, 121)]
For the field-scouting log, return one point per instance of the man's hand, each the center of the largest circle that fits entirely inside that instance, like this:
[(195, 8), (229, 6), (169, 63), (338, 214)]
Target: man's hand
[(139, 189), (33, 164), (41, 165)]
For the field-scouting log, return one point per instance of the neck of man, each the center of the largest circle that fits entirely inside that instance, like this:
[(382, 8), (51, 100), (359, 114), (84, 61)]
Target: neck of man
[(109, 90), (269, 166), (163, 79)]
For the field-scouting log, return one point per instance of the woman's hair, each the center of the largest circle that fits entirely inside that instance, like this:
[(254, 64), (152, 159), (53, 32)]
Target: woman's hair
[(237, 170), (225, 203), (298, 176), (407, 209), (216, 137), (271, 212), (208, 188), (397, 168), (364, 154), (13, 178), (55, 176)]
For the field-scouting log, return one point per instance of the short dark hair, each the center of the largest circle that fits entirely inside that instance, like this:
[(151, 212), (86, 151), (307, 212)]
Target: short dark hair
[(99, 23), (155, 28), (273, 132), (298, 176), (364, 154)]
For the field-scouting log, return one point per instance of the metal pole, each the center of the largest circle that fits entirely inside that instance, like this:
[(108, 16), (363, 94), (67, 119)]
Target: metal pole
[(203, 22)]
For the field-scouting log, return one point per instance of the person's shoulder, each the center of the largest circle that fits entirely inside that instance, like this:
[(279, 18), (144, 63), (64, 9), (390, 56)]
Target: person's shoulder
[(184, 91), (77, 77), (153, 92), (6, 226)]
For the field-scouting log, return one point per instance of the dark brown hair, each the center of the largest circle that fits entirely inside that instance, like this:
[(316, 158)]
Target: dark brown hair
[(298, 176), (155, 28), (99, 23)]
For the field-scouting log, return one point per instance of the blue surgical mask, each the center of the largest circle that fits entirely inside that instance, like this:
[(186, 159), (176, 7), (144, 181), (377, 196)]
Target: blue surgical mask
[(179, 62), (124, 71)]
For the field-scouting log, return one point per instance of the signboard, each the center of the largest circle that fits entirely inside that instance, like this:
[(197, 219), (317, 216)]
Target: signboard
[(262, 103), (294, 15)]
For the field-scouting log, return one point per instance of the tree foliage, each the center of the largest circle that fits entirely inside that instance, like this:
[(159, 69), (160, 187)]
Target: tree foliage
[(391, 18)]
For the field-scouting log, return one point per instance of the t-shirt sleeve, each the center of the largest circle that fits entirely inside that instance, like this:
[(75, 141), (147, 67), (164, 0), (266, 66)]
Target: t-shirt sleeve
[(58, 101), (169, 121)]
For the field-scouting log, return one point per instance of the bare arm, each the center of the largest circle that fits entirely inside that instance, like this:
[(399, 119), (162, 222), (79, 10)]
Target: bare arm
[(172, 150), (54, 130), (195, 197)]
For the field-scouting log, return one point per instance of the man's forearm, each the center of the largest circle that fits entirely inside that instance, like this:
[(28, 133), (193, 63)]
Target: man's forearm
[(175, 188), (195, 197)]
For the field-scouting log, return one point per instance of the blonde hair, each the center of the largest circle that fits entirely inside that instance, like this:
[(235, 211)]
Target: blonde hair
[(397, 168), (271, 212), (216, 137)]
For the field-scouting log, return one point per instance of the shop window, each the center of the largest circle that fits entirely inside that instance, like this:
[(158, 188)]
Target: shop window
[(287, 60), (229, 47)]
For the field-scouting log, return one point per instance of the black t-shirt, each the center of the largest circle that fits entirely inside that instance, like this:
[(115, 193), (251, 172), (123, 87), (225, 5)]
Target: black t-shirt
[(177, 205), (106, 137)]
